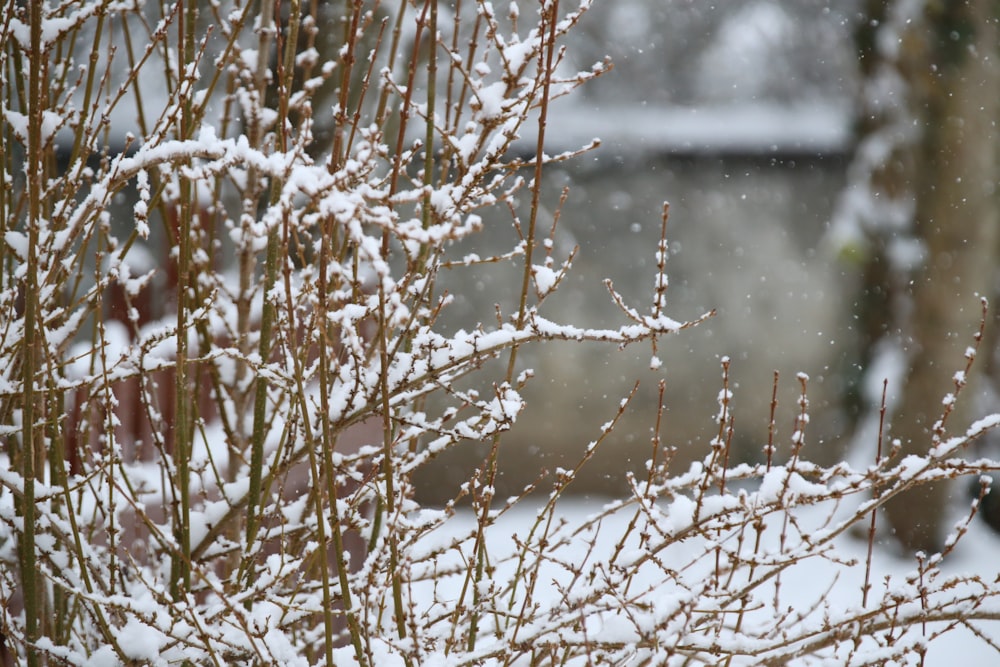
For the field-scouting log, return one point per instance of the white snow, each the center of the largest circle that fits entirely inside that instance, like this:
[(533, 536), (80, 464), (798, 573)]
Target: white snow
[(817, 589), (545, 278), (140, 642)]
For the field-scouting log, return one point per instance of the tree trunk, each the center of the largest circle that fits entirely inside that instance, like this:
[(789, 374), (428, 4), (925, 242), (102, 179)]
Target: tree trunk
[(949, 62)]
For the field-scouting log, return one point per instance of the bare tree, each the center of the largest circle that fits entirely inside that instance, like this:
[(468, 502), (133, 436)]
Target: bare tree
[(923, 196)]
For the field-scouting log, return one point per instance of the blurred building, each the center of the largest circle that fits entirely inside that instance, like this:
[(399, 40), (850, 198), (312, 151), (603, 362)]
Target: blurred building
[(738, 115)]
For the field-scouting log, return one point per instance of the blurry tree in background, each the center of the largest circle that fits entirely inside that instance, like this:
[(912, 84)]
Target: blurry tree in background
[(921, 207)]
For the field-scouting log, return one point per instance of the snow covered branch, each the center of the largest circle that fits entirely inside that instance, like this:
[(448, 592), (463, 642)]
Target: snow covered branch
[(226, 350)]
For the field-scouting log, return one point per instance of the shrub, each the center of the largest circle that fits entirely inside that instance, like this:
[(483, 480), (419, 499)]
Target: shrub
[(223, 360)]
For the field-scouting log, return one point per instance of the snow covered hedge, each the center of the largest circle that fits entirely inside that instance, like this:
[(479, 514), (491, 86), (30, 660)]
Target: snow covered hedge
[(222, 360)]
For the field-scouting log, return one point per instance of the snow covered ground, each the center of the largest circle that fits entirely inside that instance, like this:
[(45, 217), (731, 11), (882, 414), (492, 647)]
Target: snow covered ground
[(815, 588)]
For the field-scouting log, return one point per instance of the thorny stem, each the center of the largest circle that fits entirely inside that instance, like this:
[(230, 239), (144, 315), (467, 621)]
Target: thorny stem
[(32, 593), (397, 31), (260, 417), (329, 442), (960, 379), (347, 61), (449, 102), (722, 420), (315, 470), (660, 291), (432, 69), (771, 424), (550, 17), (329, 439), (758, 524), (431, 35), (866, 587), (247, 255), (254, 495), (720, 459), (656, 440), (180, 576), (326, 376), (88, 89), (246, 261), (798, 440), (388, 456), (365, 83)]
